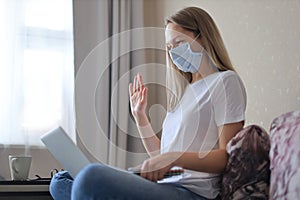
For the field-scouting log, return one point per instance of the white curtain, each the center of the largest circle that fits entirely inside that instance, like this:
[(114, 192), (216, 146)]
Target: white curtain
[(111, 46), (101, 36), (36, 69)]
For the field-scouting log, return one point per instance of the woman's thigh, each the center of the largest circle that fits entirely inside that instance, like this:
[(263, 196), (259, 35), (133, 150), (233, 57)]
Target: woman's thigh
[(102, 182)]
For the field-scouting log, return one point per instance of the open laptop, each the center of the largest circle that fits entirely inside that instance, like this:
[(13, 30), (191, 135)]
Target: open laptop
[(65, 151), (72, 158)]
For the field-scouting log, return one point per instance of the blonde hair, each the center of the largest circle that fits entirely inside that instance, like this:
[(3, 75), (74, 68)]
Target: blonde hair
[(199, 22)]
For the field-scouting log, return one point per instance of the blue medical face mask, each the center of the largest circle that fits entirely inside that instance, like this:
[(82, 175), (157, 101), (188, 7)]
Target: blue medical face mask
[(185, 59)]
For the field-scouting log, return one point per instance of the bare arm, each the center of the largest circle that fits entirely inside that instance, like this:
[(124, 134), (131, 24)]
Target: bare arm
[(213, 161), (150, 140), (138, 103)]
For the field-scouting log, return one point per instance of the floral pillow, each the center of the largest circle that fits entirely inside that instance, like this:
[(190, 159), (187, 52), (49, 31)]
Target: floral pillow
[(285, 156), (247, 174)]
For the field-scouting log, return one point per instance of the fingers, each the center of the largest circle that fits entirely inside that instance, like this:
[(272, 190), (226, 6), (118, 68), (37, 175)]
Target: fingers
[(151, 174), (135, 84), (130, 89), (144, 94), (145, 172), (155, 175), (141, 84), (138, 84)]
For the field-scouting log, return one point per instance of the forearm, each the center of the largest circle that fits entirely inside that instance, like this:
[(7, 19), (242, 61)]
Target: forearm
[(211, 161), (150, 141)]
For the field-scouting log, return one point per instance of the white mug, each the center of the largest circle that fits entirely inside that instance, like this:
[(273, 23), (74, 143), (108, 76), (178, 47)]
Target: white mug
[(19, 166)]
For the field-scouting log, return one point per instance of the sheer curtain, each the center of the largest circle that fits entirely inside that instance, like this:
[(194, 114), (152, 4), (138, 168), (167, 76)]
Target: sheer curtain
[(104, 60), (111, 46), (36, 69)]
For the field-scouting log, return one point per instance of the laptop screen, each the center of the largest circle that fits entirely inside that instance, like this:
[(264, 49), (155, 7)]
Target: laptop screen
[(65, 151)]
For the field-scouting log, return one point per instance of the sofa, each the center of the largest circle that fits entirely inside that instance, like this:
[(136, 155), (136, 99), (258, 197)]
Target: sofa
[(285, 157), (264, 165)]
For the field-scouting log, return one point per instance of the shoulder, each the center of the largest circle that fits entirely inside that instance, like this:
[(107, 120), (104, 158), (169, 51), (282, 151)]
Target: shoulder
[(230, 78), (223, 76), (228, 74), (230, 84)]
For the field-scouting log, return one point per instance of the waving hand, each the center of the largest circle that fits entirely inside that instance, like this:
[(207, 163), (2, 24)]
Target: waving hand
[(138, 96)]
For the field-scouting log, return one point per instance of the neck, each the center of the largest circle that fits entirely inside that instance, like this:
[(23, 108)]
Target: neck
[(200, 75), (196, 77), (206, 68)]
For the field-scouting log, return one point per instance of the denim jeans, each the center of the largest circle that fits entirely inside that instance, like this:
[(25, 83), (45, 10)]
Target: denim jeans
[(98, 181)]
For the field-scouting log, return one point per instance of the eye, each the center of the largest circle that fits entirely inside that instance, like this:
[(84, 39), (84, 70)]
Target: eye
[(179, 42)]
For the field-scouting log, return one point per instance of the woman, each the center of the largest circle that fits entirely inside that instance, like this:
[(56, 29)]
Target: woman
[(206, 108)]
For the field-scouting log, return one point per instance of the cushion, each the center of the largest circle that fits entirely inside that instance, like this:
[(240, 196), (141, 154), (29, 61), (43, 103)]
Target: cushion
[(285, 156), (247, 174)]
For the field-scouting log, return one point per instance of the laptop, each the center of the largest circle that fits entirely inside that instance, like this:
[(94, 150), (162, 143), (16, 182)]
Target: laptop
[(72, 158), (65, 151)]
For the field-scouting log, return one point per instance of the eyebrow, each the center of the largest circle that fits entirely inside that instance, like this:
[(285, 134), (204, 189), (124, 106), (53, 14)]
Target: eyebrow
[(173, 39)]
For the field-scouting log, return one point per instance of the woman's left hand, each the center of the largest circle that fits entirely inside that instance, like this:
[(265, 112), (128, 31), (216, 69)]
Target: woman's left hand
[(155, 168)]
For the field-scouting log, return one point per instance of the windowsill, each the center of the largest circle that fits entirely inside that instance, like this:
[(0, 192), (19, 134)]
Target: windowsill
[(20, 146), (42, 161)]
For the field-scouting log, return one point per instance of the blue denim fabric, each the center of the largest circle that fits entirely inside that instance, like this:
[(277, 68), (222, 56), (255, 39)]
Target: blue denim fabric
[(61, 186), (98, 181)]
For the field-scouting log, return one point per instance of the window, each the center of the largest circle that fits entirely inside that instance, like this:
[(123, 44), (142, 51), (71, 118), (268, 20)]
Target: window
[(37, 70)]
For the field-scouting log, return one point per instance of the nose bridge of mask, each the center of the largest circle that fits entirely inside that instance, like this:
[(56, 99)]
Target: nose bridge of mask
[(178, 52), (184, 51), (188, 49)]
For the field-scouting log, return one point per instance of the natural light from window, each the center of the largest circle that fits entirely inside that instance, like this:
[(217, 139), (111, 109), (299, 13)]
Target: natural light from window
[(47, 14), (42, 103), (37, 70)]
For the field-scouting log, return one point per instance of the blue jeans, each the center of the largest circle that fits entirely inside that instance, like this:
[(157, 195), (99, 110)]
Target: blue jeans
[(98, 181)]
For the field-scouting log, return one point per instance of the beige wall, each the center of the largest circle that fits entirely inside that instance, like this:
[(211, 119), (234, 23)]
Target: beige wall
[(262, 38)]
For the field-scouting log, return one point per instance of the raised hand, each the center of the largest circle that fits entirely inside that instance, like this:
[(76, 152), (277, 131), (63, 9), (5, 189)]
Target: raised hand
[(138, 97)]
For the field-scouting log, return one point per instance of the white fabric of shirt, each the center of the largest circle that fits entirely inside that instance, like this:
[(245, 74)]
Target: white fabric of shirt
[(213, 101)]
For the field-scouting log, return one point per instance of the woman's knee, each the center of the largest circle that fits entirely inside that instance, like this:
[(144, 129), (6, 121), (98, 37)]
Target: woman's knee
[(90, 174), (61, 184), (91, 181)]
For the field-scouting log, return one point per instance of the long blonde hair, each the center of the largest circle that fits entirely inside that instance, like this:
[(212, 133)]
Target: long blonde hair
[(199, 22)]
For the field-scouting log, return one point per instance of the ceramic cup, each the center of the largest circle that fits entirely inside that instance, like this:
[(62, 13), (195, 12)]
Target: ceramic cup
[(19, 166)]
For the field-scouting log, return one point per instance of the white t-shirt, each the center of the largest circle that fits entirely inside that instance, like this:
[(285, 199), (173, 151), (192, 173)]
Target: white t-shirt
[(215, 100)]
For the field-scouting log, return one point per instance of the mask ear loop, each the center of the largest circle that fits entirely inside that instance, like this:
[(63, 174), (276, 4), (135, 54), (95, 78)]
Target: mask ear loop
[(199, 44)]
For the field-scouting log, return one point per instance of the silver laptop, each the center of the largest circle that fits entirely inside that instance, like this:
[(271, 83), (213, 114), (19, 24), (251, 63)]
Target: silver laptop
[(65, 151)]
